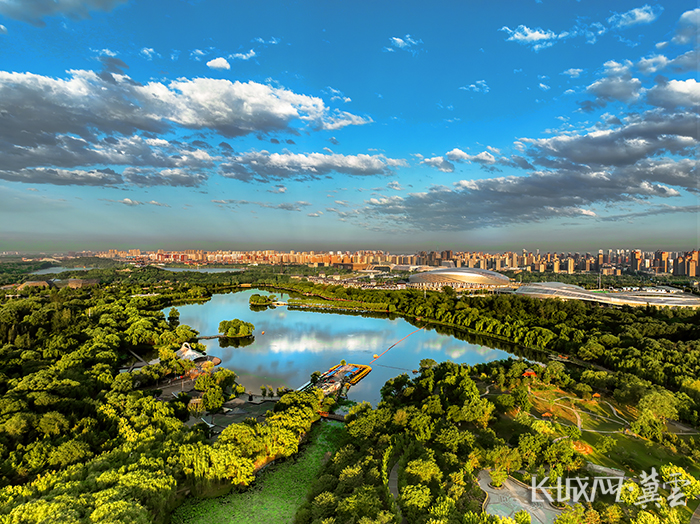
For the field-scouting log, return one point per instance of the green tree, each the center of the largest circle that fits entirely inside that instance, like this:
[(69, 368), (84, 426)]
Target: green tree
[(675, 475), (213, 398), (204, 382), (498, 477), (416, 496), (53, 423), (522, 517)]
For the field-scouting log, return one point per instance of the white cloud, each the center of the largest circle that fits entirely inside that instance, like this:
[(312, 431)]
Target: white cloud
[(675, 93), (336, 95), (484, 158), (643, 139), (407, 43), (315, 215), (243, 56), (538, 196), (175, 177), (544, 87), (111, 102), (149, 53), (687, 30), (652, 64), (439, 163), (264, 166), (197, 54), (272, 41), (479, 86), (688, 61), (133, 203), (640, 15), (618, 84), (63, 177), (394, 185), (3, 30), (573, 73), (536, 39), (65, 129), (218, 63), (339, 119)]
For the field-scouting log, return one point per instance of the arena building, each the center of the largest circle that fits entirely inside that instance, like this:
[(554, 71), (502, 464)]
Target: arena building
[(656, 296), (458, 278)]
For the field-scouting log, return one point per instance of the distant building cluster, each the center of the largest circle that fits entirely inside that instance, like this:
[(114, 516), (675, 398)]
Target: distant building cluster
[(610, 262)]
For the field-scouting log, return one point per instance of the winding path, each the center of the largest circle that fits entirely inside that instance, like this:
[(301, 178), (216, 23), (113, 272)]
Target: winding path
[(555, 401), (394, 488)]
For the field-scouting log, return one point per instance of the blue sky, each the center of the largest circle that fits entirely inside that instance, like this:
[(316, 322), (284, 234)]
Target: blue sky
[(558, 125)]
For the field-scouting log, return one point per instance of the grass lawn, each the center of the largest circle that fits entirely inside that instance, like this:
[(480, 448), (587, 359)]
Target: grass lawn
[(633, 455), (275, 495)]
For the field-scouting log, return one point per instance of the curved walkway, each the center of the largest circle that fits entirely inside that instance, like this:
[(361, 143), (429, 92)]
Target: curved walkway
[(615, 412), (394, 488)]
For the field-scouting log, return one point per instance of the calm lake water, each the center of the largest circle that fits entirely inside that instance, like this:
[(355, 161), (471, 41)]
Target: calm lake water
[(296, 343)]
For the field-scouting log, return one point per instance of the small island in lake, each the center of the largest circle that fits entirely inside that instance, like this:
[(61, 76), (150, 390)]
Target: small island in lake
[(236, 328)]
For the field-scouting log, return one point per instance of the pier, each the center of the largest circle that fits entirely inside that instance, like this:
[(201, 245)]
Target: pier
[(337, 377)]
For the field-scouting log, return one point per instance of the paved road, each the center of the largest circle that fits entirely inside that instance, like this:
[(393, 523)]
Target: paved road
[(513, 497), (695, 519)]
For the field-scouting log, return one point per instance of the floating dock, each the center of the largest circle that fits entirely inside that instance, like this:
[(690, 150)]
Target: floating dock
[(335, 378)]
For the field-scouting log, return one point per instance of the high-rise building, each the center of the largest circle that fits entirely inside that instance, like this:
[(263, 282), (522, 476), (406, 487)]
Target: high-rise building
[(661, 261), (637, 260)]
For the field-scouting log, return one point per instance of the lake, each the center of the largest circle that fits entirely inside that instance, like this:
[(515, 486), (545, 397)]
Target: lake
[(296, 343)]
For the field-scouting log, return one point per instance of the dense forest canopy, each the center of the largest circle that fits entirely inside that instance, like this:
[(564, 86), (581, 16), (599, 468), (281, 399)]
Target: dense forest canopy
[(80, 439)]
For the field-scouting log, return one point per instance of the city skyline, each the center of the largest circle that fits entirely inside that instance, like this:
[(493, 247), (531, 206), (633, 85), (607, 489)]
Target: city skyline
[(208, 125)]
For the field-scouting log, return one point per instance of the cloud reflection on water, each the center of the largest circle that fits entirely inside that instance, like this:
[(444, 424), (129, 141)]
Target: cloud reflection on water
[(296, 343)]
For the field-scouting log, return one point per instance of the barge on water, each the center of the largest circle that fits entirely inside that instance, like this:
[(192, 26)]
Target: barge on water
[(338, 376)]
